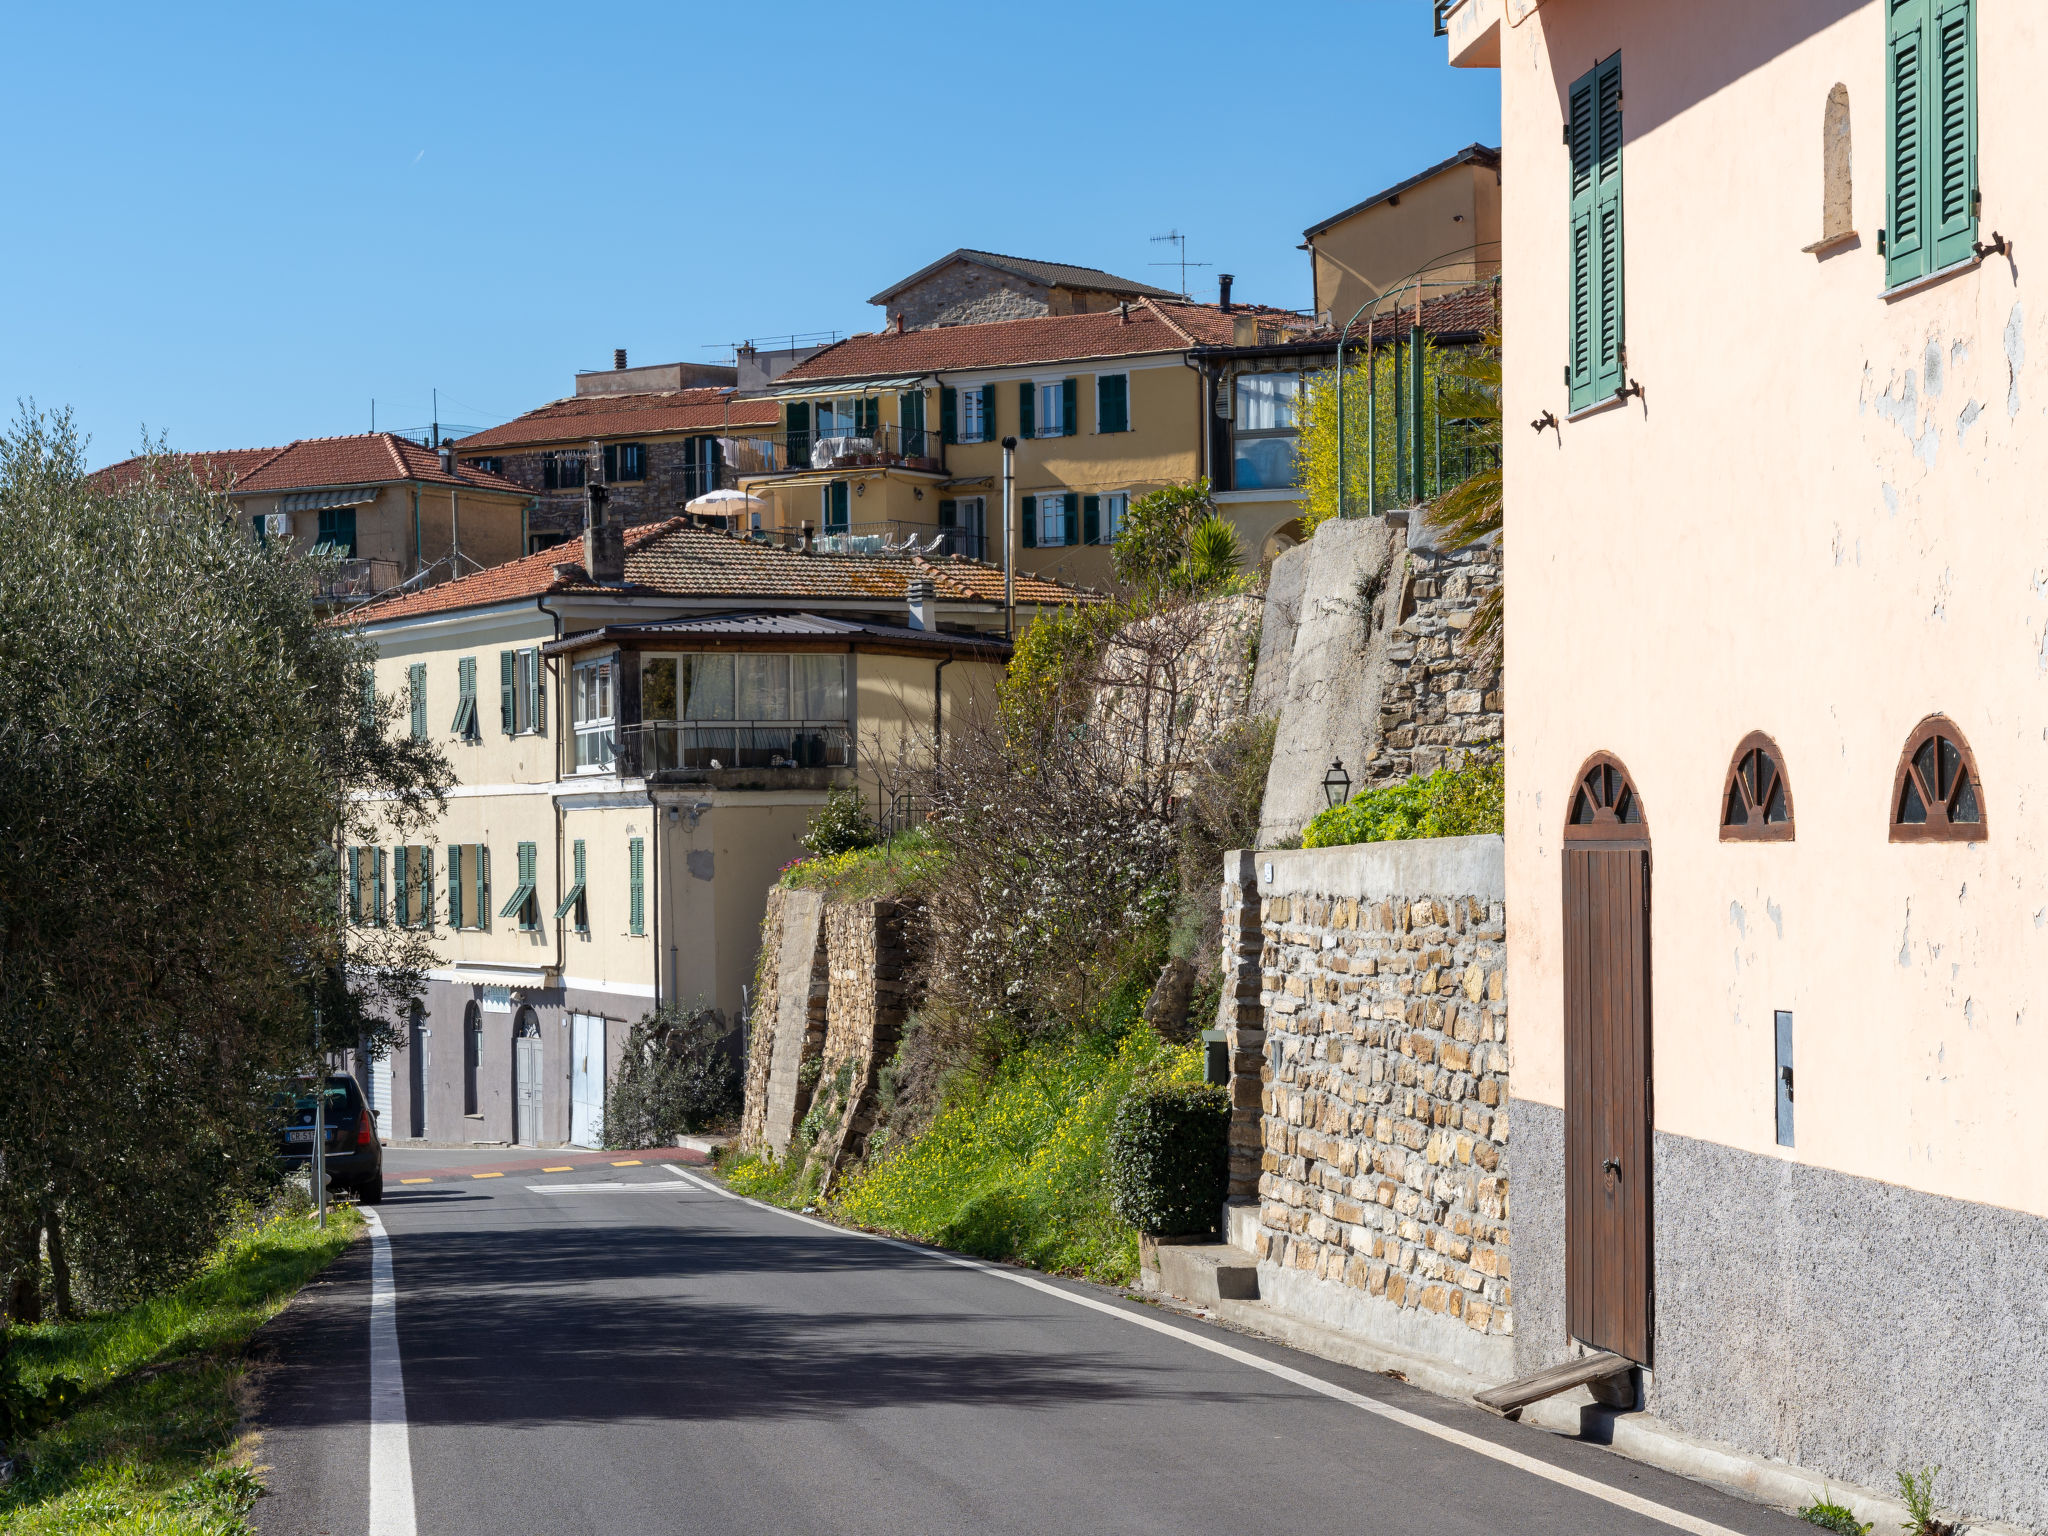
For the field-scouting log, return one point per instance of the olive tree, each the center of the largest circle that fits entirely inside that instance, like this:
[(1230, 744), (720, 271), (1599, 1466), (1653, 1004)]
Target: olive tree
[(186, 739)]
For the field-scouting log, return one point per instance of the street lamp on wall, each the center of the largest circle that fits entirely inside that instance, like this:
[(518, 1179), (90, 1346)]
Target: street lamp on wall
[(1336, 784)]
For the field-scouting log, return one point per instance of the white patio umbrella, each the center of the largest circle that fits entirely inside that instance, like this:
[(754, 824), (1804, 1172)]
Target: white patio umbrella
[(726, 504)]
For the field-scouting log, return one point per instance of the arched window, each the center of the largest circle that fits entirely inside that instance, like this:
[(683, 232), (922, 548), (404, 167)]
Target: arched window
[(1936, 796), (472, 1055), (1605, 806), (1756, 802)]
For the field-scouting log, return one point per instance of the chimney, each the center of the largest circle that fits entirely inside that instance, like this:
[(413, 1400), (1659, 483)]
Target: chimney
[(922, 594), (447, 459), (1223, 282), (604, 542), (619, 359), (808, 546), (899, 322), (1123, 313)]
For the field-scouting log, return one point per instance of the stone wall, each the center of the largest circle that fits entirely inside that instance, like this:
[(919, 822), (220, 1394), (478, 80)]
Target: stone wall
[(661, 494), (1437, 704), (1382, 1083), (967, 293), (794, 1018), (864, 1017)]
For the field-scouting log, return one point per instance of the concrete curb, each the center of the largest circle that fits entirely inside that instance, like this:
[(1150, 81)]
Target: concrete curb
[(1575, 1415)]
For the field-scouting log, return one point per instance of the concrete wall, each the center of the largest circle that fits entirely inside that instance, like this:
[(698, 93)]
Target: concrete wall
[(1381, 1077), (1799, 528)]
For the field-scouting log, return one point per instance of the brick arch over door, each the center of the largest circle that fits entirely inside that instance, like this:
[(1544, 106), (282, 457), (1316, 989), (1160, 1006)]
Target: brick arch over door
[(1608, 1261)]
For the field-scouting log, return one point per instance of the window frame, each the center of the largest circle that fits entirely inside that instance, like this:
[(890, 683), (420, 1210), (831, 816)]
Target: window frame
[(602, 675), (1939, 245), (1056, 390), (1043, 498), (1100, 380), (555, 461), (624, 462), (961, 395), (1755, 829), (1937, 726)]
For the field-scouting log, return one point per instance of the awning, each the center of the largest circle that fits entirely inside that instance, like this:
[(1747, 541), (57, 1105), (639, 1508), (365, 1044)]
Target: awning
[(849, 386), (319, 501)]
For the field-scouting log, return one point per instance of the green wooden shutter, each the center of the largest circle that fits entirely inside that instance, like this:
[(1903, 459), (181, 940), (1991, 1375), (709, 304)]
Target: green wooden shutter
[(416, 684), (425, 900), (1905, 234), (988, 413), (949, 413), (797, 443), (483, 886), (401, 897), (1027, 409), (1029, 532), (455, 874), (377, 887), (1952, 127), (1091, 519), (636, 850), (1073, 512), (355, 885), (537, 694), (1112, 402), (1608, 370), (1596, 309), (506, 683), (1070, 397)]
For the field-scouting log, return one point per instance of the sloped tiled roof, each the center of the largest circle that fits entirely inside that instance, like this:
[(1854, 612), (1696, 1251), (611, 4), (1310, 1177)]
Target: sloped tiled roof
[(582, 417), (1151, 327), (367, 458), (1469, 311), (672, 559), (783, 626), (1053, 274), (217, 471), (1471, 154)]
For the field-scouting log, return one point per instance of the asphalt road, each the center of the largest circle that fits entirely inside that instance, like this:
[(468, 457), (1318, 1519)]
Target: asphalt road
[(659, 1357)]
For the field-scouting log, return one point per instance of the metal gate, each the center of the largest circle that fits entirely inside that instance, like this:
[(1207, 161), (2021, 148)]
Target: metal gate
[(586, 1079), (527, 1079), (1607, 1131)]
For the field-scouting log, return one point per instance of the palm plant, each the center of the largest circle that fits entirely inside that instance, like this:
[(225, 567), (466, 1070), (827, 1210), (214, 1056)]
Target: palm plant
[(1472, 509)]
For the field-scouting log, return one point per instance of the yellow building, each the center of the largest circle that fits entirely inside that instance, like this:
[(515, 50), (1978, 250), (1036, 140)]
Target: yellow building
[(896, 436), (635, 761), (1444, 222)]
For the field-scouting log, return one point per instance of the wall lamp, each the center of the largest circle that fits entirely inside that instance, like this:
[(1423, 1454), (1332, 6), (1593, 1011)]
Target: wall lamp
[(1336, 784)]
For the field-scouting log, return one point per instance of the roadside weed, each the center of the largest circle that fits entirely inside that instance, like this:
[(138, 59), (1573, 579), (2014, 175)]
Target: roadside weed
[(1830, 1516)]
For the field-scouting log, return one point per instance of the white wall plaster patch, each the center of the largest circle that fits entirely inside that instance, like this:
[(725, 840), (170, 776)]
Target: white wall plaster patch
[(1777, 915), (1739, 918), (1891, 499), (2015, 355), (1966, 420), (1931, 369), (1959, 354), (1906, 937)]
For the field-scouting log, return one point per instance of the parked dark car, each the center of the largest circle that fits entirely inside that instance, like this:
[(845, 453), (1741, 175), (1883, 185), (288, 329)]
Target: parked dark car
[(355, 1157)]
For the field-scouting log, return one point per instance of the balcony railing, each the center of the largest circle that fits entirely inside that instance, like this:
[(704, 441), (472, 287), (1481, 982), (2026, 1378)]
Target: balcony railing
[(354, 580), (896, 536), (669, 746), (840, 447)]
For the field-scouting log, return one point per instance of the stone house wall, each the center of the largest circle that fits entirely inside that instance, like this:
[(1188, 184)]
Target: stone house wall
[(1381, 1088), (865, 1012), (661, 494), (967, 293)]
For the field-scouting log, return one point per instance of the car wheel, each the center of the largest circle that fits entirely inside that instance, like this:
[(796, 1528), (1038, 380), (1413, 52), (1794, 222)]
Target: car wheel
[(371, 1192)]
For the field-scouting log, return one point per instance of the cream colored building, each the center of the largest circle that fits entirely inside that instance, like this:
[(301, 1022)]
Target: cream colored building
[(1777, 763), (1440, 226), (635, 762)]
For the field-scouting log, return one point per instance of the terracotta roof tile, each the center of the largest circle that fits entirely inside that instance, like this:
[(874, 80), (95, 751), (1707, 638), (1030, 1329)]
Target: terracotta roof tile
[(582, 417), (217, 470), (366, 458), (672, 559), (1152, 327)]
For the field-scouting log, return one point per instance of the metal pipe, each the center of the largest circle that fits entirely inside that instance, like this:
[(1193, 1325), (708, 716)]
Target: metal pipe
[(1343, 488), (1372, 429), (1415, 375), (1009, 539)]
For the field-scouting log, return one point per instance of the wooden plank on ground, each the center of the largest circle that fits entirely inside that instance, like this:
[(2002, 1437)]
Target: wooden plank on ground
[(1517, 1395)]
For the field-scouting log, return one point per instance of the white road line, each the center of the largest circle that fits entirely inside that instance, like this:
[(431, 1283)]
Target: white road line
[(391, 1506), (1593, 1488)]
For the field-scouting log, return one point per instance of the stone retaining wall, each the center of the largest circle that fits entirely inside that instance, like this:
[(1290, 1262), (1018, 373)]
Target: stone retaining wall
[(1382, 1088), (864, 1016)]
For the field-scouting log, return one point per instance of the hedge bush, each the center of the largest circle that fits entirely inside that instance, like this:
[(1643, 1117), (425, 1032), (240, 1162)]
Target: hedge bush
[(1452, 802), (1169, 1158)]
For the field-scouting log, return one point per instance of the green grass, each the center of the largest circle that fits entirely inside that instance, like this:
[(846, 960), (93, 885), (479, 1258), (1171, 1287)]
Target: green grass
[(147, 1450), (1012, 1168), (869, 874)]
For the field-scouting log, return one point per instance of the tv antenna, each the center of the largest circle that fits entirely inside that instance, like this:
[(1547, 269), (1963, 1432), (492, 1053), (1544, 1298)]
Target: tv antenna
[(1180, 243)]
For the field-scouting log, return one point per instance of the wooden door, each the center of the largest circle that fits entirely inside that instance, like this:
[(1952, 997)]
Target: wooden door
[(1608, 1177), (526, 1080)]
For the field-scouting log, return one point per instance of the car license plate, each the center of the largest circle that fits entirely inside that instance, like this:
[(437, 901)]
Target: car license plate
[(298, 1135)]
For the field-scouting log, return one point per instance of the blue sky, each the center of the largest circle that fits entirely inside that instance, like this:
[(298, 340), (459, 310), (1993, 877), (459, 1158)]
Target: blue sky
[(239, 225)]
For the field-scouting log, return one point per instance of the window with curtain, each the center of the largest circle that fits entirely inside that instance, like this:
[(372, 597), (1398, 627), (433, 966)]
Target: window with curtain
[(591, 702), (1052, 419), (1265, 437)]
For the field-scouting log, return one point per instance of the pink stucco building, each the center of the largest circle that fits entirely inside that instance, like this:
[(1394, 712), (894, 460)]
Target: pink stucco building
[(1777, 672)]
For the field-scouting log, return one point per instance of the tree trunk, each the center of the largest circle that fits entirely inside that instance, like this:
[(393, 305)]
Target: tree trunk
[(60, 1267), (25, 1288)]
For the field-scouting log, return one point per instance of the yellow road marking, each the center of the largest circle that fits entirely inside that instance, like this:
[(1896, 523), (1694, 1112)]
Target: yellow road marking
[(415, 1181), (565, 1168), (631, 1162), (487, 1175)]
